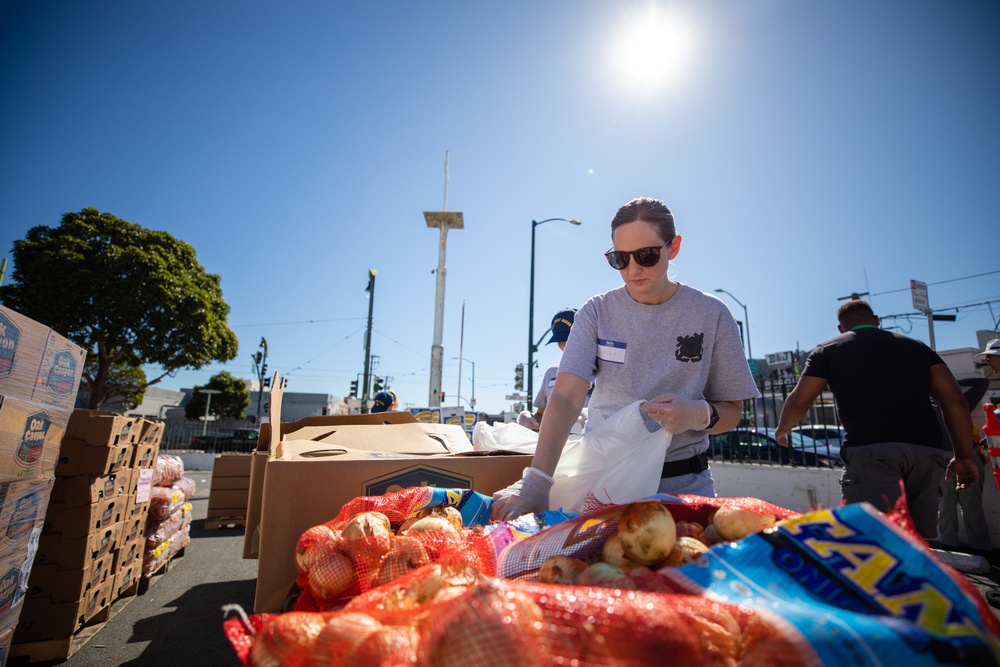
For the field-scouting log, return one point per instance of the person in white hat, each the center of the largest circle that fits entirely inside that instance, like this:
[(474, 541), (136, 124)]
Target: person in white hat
[(562, 322), (991, 355)]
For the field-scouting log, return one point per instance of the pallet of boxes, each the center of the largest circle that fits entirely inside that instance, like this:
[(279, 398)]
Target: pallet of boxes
[(89, 559), (40, 374), (230, 492)]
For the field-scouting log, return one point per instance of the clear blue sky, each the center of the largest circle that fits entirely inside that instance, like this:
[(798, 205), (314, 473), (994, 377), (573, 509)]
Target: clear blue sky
[(808, 150)]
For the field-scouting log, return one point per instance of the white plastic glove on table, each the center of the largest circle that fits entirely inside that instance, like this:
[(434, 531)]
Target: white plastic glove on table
[(678, 414), (531, 494), (526, 419)]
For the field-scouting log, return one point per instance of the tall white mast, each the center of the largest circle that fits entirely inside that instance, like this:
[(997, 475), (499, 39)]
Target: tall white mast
[(443, 221)]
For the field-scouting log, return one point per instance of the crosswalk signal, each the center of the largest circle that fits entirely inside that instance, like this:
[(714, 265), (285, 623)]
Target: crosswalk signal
[(354, 388), (519, 377)]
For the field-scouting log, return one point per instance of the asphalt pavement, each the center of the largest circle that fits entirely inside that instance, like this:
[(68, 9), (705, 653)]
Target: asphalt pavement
[(178, 620)]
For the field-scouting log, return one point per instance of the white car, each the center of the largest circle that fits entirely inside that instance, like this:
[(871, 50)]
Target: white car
[(826, 433)]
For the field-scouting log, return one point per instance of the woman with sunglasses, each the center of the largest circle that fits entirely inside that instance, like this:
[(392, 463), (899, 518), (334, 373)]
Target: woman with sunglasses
[(652, 339)]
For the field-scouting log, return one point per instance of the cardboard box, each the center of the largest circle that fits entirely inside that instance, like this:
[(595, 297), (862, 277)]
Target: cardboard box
[(77, 457), (37, 364), (88, 489), (234, 500), (82, 521), (127, 580), (78, 552), (260, 456), (30, 435), (97, 427), (23, 506), (150, 433), (231, 465), (43, 618), (61, 585), (306, 481)]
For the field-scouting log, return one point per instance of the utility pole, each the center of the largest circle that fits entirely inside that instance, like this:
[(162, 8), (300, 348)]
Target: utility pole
[(260, 364), (370, 291), (443, 221)]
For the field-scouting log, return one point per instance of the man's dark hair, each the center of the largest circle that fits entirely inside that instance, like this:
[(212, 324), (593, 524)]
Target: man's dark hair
[(855, 312)]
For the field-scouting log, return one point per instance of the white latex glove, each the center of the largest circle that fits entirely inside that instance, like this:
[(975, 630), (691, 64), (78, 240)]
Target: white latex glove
[(526, 419), (531, 494), (677, 414)]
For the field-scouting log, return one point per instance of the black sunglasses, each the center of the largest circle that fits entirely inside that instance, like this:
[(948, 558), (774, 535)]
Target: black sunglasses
[(618, 259)]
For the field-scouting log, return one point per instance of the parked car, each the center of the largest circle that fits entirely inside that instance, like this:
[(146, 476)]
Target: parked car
[(759, 444), (240, 440), (825, 433)]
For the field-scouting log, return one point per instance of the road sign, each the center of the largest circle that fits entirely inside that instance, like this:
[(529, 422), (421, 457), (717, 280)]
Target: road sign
[(516, 397), (753, 367), (919, 292)]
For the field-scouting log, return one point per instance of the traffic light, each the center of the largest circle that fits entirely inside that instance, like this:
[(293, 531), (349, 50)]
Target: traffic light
[(257, 357), (377, 387), (354, 388), (442, 397), (519, 377), (266, 383)]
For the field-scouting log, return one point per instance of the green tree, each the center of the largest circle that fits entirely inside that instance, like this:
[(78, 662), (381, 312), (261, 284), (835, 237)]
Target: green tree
[(125, 293), (126, 381), (231, 401)]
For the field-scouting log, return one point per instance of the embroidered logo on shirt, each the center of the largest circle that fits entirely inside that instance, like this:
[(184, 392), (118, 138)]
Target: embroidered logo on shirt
[(689, 348)]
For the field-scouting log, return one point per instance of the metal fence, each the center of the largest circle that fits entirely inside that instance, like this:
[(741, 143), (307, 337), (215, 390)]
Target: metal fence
[(753, 442), (185, 437)]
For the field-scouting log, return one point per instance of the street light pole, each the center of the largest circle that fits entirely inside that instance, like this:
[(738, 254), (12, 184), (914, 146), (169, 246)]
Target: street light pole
[(531, 303), (746, 319), (208, 402), (460, 360)]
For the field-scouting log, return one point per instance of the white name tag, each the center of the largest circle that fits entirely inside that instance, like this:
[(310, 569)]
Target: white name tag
[(611, 351)]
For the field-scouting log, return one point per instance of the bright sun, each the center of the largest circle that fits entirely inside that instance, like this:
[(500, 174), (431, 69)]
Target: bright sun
[(652, 50)]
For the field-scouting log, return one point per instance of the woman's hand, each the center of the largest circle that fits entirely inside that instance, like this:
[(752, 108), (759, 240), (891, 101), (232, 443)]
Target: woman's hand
[(677, 414), (530, 494)]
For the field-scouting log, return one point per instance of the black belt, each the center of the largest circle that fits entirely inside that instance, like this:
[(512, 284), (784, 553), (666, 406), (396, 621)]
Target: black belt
[(695, 464)]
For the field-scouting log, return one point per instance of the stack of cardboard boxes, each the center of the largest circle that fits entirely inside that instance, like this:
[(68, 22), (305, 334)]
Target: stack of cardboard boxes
[(40, 374), (91, 546), (230, 492)]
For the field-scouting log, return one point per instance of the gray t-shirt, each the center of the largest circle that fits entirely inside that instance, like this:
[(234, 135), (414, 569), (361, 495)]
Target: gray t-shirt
[(548, 384), (688, 346)]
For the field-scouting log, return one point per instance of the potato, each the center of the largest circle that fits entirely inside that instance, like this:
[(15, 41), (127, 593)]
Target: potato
[(648, 532), (735, 523), (560, 569)]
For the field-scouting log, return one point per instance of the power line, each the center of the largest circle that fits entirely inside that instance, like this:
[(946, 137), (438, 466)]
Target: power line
[(940, 282)]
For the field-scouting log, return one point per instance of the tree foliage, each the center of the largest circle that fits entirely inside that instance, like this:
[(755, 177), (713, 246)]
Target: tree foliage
[(231, 401), (127, 294)]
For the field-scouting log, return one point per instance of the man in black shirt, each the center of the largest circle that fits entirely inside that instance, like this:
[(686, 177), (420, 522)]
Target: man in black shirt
[(883, 382)]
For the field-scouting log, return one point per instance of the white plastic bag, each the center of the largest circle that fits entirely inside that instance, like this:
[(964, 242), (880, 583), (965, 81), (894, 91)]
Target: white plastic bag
[(619, 461), (509, 437)]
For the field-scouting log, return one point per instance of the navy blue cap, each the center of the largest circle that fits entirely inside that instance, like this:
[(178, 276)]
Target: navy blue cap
[(561, 324), (382, 402)]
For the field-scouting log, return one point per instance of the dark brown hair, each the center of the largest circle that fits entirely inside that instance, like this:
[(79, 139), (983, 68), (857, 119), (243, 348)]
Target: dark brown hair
[(855, 312), (649, 210)]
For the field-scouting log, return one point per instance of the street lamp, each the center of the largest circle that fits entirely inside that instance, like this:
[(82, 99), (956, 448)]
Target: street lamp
[(460, 359), (208, 402), (746, 319), (532, 348)]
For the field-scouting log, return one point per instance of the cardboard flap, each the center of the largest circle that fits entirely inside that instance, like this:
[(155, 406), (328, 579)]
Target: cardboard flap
[(399, 438)]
